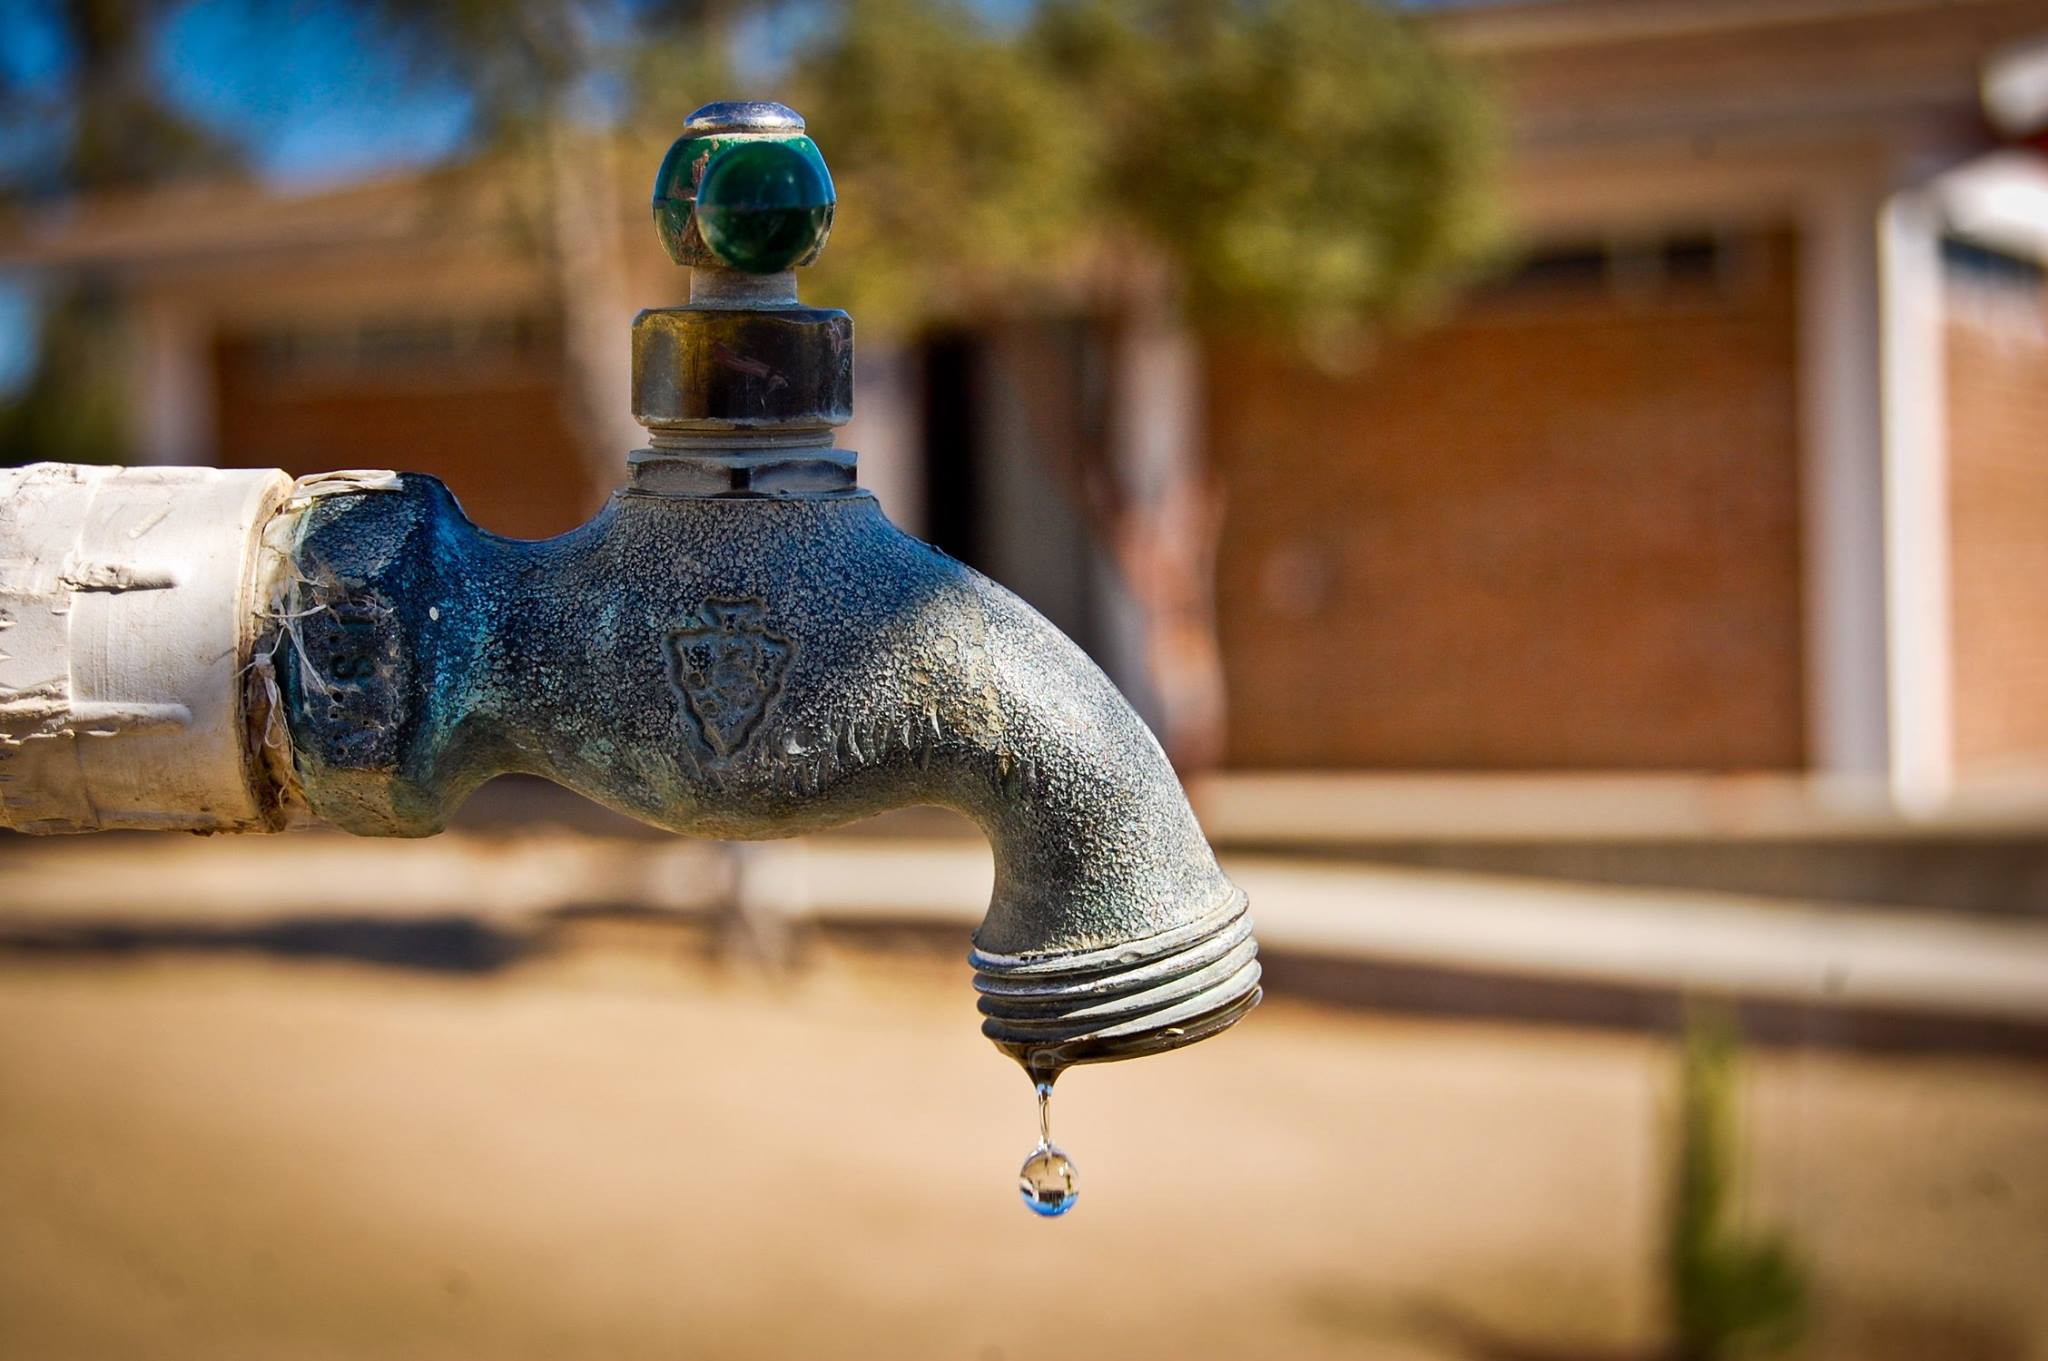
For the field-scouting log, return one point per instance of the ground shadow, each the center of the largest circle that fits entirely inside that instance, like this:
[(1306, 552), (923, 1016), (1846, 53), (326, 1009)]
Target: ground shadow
[(451, 944), (1462, 1331), (1445, 1326)]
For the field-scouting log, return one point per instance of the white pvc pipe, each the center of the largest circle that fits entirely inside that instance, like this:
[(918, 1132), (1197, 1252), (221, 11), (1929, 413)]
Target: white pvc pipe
[(129, 608)]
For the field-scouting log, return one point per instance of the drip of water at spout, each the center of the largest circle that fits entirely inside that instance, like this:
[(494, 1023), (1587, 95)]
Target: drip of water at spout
[(1047, 1180)]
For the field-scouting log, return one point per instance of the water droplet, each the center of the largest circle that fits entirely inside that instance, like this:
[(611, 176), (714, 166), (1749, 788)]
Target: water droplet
[(1047, 1180)]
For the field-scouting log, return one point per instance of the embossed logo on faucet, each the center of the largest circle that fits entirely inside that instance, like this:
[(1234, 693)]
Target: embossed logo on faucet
[(727, 663)]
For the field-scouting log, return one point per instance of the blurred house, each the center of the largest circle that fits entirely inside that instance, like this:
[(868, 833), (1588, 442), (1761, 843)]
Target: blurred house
[(1742, 469)]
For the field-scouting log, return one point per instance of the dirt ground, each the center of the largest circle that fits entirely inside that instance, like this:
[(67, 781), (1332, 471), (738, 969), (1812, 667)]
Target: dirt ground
[(625, 1151)]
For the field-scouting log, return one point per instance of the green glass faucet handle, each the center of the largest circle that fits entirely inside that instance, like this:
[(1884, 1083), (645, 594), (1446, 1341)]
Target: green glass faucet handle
[(764, 206), (743, 188)]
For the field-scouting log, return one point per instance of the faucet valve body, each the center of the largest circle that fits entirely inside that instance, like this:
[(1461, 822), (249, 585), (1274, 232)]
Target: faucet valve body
[(757, 666)]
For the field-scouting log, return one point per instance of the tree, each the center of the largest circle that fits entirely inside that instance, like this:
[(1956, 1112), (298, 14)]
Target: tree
[(99, 123)]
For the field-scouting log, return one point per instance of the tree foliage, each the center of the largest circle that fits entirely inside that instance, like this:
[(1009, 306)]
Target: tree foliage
[(1292, 161), (101, 124), (1292, 155), (100, 120), (960, 173)]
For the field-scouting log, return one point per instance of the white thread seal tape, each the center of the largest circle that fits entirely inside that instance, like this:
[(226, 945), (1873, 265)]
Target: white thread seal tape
[(127, 617)]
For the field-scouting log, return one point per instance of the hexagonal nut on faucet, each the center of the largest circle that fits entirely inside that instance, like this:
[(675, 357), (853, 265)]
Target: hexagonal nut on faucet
[(743, 189)]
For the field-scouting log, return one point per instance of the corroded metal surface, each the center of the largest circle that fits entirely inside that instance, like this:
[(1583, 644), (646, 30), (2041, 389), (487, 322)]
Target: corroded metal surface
[(722, 368), (750, 667)]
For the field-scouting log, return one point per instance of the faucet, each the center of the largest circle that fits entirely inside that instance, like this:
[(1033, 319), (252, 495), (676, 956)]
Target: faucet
[(739, 645)]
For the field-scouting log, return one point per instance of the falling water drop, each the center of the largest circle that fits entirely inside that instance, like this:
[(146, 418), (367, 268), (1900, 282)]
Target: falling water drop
[(1046, 1181)]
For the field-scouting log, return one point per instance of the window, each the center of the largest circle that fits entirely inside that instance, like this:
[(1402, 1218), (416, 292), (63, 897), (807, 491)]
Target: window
[(1995, 290), (1642, 268), (402, 347)]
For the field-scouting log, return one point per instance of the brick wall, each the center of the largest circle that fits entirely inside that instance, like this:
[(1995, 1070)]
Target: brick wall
[(1559, 531), (1998, 461), (487, 418)]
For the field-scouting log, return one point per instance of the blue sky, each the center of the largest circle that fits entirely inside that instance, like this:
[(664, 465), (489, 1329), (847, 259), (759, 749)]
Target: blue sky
[(316, 101), (316, 98)]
